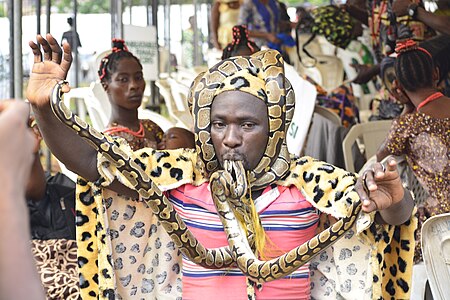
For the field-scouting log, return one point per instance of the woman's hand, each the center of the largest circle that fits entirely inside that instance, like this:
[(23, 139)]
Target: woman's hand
[(48, 69)]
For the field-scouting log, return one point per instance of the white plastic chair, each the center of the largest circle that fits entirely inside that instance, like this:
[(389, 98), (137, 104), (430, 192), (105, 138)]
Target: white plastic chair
[(328, 114), (182, 118), (372, 135), (332, 71)]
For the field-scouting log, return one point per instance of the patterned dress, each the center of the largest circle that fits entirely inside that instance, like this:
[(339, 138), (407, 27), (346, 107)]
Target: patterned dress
[(426, 142), (139, 143), (260, 17), (158, 275)]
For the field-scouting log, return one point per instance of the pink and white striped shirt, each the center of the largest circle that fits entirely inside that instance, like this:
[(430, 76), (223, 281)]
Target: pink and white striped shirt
[(288, 220)]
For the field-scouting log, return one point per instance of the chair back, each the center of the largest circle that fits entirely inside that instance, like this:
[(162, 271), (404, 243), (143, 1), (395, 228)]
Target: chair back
[(371, 134), (332, 71), (328, 114)]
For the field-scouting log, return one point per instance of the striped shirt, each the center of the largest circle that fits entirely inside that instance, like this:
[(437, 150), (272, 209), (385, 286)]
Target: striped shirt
[(288, 220)]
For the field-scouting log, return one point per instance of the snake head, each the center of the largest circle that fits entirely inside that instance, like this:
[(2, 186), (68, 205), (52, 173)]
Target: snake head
[(236, 172)]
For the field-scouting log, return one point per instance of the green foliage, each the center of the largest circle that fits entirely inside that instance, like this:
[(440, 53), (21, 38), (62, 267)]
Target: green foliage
[(84, 7), (3, 10)]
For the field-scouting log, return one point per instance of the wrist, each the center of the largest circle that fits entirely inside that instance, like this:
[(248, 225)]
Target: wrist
[(412, 10)]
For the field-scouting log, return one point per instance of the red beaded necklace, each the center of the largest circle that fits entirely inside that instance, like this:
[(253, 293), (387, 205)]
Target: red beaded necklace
[(139, 134), (430, 98)]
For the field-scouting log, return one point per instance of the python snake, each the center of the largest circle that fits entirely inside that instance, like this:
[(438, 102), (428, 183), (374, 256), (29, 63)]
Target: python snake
[(228, 200)]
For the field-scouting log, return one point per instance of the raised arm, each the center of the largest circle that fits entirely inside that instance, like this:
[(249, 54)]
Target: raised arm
[(438, 23), (215, 19), (65, 144)]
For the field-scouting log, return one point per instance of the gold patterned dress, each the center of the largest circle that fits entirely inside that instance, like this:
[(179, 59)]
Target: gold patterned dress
[(426, 143)]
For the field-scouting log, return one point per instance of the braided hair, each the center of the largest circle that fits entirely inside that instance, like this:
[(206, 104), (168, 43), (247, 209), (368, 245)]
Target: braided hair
[(414, 66), (108, 65), (240, 41)]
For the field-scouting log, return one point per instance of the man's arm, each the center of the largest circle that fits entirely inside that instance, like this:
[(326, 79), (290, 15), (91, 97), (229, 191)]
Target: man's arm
[(438, 23), (357, 13), (215, 18), (64, 143), (18, 275)]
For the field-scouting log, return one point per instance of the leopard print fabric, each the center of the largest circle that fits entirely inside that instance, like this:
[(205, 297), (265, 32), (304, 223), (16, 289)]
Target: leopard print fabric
[(56, 262), (323, 185)]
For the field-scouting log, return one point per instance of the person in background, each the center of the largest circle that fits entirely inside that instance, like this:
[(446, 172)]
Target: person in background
[(192, 49), (224, 15), (70, 36), (177, 137), (262, 18), (18, 275), (122, 78), (239, 124), (240, 44), (422, 134), (440, 23)]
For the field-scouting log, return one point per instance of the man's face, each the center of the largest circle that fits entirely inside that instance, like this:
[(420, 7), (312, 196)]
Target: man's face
[(239, 128)]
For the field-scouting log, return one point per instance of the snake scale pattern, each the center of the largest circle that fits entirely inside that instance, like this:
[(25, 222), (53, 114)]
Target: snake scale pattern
[(229, 186)]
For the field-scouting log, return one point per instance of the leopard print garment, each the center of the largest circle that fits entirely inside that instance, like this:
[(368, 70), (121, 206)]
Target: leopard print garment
[(323, 185)]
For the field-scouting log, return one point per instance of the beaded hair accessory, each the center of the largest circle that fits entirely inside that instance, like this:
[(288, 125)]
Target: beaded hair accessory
[(240, 33), (117, 46), (403, 46)]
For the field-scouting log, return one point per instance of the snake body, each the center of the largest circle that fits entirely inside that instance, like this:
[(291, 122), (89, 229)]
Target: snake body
[(230, 192), (158, 202)]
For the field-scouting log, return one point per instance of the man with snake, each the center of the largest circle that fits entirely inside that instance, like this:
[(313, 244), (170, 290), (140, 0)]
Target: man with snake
[(235, 206)]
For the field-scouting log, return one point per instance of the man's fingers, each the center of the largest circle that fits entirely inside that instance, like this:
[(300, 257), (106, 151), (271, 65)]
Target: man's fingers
[(56, 49), (46, 47), (67, 57), (36, 51)]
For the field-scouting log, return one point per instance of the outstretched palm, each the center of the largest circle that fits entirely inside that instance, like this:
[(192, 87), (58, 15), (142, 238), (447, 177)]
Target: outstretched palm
[(48, 69)]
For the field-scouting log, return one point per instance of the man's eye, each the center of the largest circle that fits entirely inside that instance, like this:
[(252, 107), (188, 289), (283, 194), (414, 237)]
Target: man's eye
[(218, 124), (248, 125)]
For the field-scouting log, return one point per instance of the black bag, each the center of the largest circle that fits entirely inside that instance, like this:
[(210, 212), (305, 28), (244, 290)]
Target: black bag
[(54, 216)]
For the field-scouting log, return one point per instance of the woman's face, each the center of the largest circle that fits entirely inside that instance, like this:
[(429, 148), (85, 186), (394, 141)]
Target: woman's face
[(127, 84)]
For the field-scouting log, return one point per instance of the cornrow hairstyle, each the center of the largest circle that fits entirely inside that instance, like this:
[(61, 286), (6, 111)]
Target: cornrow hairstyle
[(240, 40), (414, 66), (108, 65), (439, 48)]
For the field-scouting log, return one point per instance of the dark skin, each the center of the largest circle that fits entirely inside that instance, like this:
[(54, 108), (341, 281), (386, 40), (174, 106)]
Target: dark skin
[(439, 108), (125, 90), (438, 23), (268, 36), (177, 137), (365, 72), (215, 20), (386, 192), (18, 276)]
